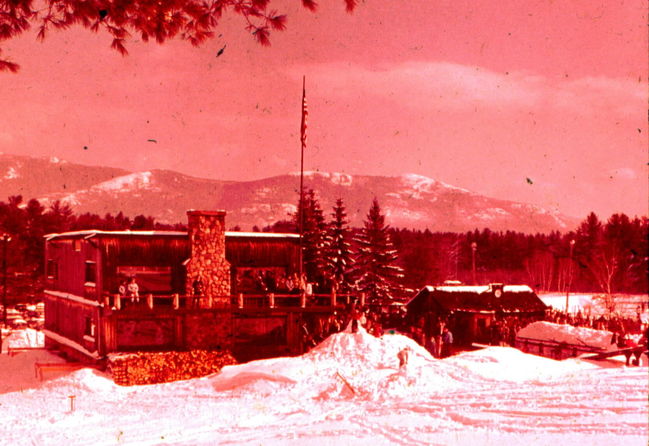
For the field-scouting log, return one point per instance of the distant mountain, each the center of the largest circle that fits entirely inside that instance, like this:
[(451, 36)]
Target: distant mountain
[(409, 201)]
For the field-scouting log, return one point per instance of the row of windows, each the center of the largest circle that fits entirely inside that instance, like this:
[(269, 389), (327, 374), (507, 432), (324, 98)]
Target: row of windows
[(52, 271)]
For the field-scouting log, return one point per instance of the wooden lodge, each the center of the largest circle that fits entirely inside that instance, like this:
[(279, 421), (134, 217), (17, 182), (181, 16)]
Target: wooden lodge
[(471, 310), (244, 305)]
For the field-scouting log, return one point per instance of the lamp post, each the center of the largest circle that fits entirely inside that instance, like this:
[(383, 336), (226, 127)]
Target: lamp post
[(572, 245), (474, 247)]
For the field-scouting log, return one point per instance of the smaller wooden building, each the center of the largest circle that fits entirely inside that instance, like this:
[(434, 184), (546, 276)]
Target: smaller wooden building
[(472, 310)]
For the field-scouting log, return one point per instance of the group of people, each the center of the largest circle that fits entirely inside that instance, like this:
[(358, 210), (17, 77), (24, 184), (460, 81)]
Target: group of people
[(129, 289), (434, 335), (270, 281), (629, 346), (612, 322)]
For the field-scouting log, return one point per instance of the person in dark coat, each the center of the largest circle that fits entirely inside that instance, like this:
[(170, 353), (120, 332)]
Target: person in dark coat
[(447, 341), (197, 292), (438, 332)]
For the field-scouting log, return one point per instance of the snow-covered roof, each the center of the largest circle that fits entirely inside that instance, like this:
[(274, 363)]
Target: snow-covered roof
[(478, 289), (261, 234), (561, 333), (72, 297), (87, 233)]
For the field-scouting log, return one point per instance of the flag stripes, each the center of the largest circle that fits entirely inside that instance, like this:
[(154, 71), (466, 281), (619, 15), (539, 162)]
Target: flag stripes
[(305, 114)]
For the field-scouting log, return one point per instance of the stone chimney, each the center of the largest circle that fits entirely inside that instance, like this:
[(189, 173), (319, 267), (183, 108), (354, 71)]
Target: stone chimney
[(207, 261)]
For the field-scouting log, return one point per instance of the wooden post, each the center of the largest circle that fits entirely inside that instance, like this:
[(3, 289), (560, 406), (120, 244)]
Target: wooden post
[(333, 297), (107, 300), (303, 299), (149, 301), (271, 300), (118, 302), (240, 300), (362, 300), (176, 301)]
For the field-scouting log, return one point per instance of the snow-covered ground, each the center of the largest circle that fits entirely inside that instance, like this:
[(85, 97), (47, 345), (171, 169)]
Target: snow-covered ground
[(347, 390)]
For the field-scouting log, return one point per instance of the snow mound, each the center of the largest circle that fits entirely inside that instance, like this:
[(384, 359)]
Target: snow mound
[(359, 365), (353, 349), (511, 364), (251, 380), (548, 331), (84, 381)]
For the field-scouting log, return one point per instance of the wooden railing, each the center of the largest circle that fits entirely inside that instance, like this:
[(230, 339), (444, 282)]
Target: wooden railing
[(270, 300), (553, 349)]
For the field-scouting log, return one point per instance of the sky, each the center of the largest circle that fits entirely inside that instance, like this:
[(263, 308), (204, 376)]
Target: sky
[(543, 102)]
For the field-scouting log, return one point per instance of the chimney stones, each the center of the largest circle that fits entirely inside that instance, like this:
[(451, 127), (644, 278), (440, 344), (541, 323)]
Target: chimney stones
[(207, 262)]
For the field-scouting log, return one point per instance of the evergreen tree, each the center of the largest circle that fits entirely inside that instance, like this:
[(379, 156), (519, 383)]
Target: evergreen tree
[(314, 237), (338, 253), (378, 274), (58, 218)]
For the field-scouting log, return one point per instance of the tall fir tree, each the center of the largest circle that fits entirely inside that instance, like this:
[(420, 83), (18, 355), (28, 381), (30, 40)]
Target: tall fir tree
[(314, 237), (338, 255), (378, 274)]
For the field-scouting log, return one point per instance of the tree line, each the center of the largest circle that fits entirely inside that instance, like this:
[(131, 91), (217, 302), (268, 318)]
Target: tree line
[(603, 257), (25, 224), (598, 256)]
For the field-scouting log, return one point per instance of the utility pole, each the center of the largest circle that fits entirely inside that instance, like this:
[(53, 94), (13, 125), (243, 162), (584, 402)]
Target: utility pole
[(572, 245), (6, 239), (474, 247)]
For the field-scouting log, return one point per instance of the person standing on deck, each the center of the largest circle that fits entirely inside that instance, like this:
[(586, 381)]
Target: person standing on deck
[(133, 290)]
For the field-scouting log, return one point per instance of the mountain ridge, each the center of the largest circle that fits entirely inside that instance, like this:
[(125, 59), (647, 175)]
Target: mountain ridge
[(409, 200)]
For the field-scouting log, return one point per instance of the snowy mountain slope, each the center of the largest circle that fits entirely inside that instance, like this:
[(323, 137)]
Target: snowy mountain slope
[(410, 201), (34, 177)]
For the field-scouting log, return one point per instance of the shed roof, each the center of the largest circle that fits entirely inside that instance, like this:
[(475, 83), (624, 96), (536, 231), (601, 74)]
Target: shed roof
[(476, 299)]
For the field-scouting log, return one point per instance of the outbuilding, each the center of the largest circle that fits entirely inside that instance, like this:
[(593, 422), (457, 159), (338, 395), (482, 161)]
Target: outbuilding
[(471, 311)]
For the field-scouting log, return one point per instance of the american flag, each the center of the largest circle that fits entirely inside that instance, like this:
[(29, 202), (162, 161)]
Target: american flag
[(305, 114)]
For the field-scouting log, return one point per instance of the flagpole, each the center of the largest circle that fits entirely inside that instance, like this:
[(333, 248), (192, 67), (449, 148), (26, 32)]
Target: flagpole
[(302, 144)]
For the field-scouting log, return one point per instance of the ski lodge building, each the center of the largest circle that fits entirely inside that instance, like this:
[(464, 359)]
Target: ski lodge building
[(242, 307), (475, 308)]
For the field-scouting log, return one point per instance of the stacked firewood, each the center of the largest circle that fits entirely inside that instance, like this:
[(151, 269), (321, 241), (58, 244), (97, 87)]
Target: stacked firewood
[(129, 369)]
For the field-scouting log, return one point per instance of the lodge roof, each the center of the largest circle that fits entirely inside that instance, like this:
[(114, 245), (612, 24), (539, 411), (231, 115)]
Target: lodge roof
[(477, 299), (88, 233)]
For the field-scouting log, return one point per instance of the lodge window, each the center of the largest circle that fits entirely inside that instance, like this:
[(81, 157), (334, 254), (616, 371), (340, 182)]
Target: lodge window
[(91, 272), (52, 269), (89, 329)]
